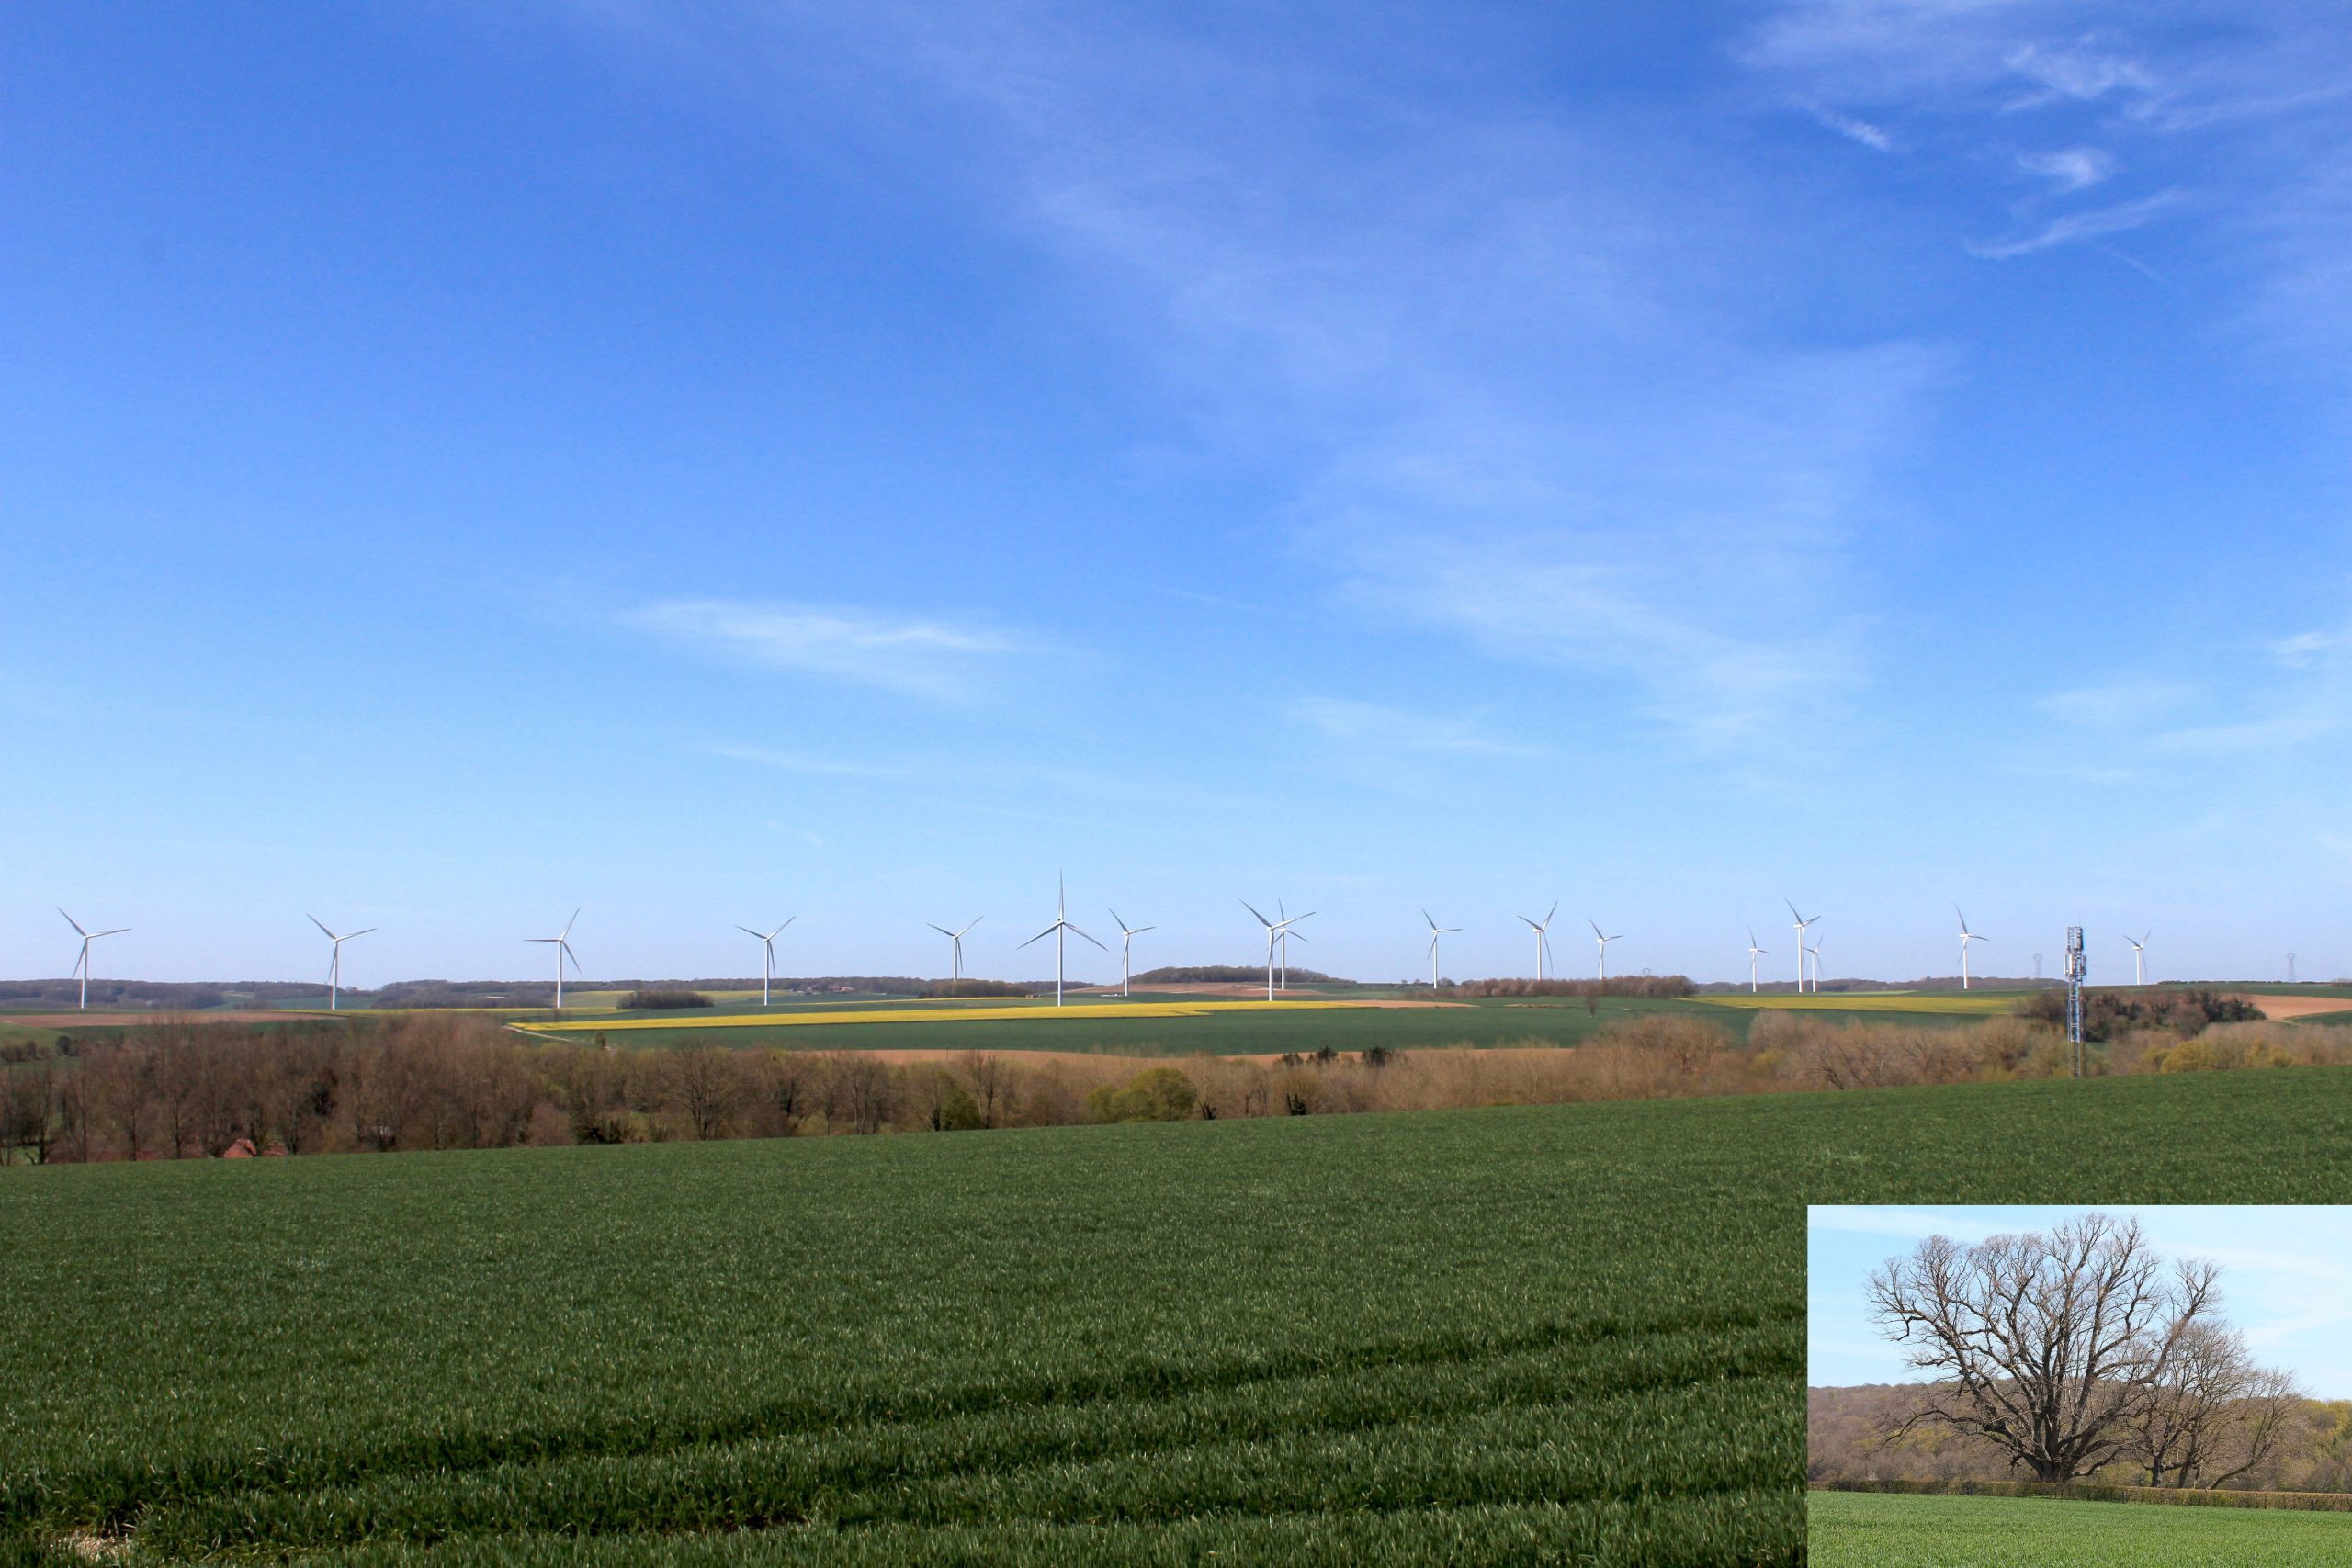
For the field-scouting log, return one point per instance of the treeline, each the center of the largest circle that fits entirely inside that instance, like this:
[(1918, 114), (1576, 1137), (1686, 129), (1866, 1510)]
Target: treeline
[(1846, 1442), (1228, 974), (541, 993), (179, 1087), (2111, 1015), (152, 995), (1623, 985), (975, 989)]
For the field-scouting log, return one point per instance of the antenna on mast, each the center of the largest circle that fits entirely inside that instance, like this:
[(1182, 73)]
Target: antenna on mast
[(2076, 967)]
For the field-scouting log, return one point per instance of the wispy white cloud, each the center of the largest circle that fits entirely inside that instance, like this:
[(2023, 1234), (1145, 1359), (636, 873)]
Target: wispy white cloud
[(1496, 334), (796, 763), (2125, 704), (917, 656), (2076, 226), (2082, 71), (1379, 727), (2070, 169), (1853, 129)]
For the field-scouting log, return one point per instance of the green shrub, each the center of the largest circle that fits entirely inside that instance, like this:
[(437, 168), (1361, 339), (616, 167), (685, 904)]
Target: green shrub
[(1156, 1094)]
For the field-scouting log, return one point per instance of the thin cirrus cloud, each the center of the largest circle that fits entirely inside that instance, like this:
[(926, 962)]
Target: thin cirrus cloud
[(1376, 726), (2075, 226), (1852, 128), (916, 656), (2070, 169)]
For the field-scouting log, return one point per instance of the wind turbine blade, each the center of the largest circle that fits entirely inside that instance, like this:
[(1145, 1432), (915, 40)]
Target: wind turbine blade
[(1792, 910), (1140, 930), (1114, 918), (1596, 928), (564, 948), (314, 921), (1531, 924), (1043, 934), (1550, 912), (116, 932), (74, 923), (1425, 915), (1069, 927), (362, 931), (1245, 904), (573, 921), (788, 920), (1296, 918), (943, 931), (1290, 935), (761, 936)]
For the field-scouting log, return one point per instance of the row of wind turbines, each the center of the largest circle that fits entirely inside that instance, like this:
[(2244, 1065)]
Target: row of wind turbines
[(1279, 933)]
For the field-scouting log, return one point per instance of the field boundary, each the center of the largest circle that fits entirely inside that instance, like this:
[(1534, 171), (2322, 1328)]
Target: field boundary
[(2095, 1491)]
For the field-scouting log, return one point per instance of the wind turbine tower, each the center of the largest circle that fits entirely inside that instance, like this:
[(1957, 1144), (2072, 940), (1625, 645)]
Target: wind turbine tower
[(562, 941), (1754, 952), (1275, 931), (1542, 939), (767, 943), (1061, 923), (2139, 958), (1603, 942), (1436, 931), (1815, 950), (1127, 935), (334, 965), (1966, 936), (1802, 921), (956, 946), (82, 964)]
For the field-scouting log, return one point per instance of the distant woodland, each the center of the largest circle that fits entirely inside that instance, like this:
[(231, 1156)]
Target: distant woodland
[(1846, 1430)]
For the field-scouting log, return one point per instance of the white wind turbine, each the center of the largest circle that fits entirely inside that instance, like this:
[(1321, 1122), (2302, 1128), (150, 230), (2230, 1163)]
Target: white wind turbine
[(1061, 923), (562, 941), (1276, 930), (1436, 931), (956, 946), (1966, 936), (1283, 924), (1127, 935), (767, 943), (82, 964), (2139, 957), (1802, 921), (1542, 939), (1603, 943), (334, 965), (1815, 950), (1754, 951)]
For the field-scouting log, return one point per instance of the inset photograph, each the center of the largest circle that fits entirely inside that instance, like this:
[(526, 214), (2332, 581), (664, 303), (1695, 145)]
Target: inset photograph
[(2087, 1386)]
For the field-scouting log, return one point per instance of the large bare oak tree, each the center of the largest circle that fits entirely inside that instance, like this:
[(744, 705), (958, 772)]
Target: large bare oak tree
[(2051, 1347)]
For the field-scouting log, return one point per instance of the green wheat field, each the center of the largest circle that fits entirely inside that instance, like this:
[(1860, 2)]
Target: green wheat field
[(1854, 1529), (1568, 1334)]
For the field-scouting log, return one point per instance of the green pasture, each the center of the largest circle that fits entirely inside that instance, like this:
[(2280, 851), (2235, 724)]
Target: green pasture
[(1570, 1333), (1856, 1529)]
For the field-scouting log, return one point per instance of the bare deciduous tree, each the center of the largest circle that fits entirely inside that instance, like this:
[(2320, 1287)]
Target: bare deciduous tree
[(2049, 1346), (2215, 1415)]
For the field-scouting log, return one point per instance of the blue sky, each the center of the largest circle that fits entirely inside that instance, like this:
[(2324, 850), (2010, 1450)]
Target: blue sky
[(706, 462), (2286, 1279)]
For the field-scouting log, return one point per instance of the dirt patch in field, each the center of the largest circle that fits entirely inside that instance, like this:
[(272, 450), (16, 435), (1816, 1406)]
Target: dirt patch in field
[(2297, 1007)]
